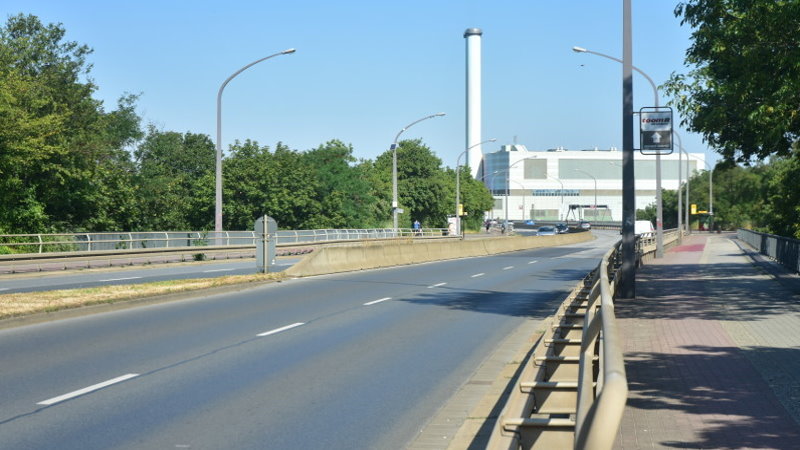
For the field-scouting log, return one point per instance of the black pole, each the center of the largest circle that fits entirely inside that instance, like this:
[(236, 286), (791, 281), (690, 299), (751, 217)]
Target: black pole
[(628, 280)]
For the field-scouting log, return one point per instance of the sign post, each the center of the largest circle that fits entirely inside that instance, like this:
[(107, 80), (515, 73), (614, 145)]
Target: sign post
[(265, 229)]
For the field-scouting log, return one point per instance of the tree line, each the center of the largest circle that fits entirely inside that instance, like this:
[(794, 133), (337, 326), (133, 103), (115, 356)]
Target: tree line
[(762, 196), (67, 164)]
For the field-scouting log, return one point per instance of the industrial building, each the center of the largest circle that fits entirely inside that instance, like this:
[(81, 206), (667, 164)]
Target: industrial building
[(560, 184)]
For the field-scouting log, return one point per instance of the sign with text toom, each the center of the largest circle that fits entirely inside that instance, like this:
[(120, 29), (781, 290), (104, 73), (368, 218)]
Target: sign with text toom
[(655, 130)]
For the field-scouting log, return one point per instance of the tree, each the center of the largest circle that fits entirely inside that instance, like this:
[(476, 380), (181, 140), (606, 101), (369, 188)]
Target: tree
[(61, 154), (474, 197), (782, 212), (257, 182), (669, 210), (424, 192), (743, 91), (174, 173), (343, 191)]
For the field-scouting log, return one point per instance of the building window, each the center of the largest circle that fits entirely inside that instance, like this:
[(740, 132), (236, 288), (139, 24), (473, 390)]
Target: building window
[(535, 169)]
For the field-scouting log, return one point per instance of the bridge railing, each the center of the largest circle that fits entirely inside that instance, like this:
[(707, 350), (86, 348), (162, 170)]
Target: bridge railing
[(785, 251), (130, 240)]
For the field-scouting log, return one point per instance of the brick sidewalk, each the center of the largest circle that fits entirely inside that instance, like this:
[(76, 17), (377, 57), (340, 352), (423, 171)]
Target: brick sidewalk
[(712, 352)]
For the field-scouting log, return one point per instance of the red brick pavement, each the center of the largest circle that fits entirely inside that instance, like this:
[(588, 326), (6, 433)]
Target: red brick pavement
[(690, 384)]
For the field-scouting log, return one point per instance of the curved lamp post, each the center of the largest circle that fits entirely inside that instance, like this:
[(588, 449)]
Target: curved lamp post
[(394, 164), (458, 181), (562, 194), (659, 206), (218, 175), (595, 187)]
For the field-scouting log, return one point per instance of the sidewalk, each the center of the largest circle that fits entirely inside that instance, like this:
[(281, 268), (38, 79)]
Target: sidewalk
[(712, 351)]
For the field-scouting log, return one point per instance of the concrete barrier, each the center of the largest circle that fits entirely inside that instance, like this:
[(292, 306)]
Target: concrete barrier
[(374, 255)]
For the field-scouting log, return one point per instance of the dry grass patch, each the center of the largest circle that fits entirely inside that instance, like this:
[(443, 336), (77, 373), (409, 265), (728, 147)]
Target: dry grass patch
[(15, 305)]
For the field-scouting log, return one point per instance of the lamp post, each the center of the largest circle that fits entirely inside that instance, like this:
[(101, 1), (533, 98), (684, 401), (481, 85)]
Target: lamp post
[(394, 165), (595, 187), (218, 173), (562, 195), (458, 182), (659, 203), (681, 152)]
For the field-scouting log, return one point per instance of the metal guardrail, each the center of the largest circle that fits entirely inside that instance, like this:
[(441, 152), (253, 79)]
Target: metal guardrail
[(785, 251), (87, 242), (571, 391)]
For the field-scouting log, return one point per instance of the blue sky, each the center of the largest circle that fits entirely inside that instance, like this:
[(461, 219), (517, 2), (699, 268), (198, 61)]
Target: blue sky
[(365, 69)]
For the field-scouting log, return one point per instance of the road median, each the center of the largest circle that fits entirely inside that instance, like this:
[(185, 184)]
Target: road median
[(387, 254)]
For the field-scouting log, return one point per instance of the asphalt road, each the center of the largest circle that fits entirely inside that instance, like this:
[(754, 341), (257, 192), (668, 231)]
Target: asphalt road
[(356, 360), (134, 275)]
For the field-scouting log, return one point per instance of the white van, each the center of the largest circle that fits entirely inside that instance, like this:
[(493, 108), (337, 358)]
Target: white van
[(644, 228)]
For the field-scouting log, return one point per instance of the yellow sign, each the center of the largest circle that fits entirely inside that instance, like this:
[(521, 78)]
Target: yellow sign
[(460, 209), (694, 208), (702, 212)]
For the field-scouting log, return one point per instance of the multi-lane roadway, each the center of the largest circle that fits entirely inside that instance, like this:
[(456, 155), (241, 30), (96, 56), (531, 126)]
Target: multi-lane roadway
[(354, 360)]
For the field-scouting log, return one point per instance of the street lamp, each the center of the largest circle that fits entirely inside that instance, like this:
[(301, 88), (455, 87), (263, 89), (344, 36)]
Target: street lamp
[(458, 182), (680, 179), (562, 194), (659, 206), (595, 188), (394, 164), (218, 174)]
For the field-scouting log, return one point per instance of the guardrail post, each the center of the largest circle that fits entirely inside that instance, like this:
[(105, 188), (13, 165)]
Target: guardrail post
[(40, 242)]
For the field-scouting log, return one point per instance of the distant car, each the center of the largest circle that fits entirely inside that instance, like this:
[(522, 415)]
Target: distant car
[(546, 231), (530, 222), (585, 224), (562, 228)]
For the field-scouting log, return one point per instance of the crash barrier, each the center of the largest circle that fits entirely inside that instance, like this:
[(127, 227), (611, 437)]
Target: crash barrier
[(87, 242), (785, 251), (572, 389), (372, 255)]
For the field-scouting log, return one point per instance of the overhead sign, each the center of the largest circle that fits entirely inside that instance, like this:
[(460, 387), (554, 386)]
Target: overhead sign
[(655, 130)]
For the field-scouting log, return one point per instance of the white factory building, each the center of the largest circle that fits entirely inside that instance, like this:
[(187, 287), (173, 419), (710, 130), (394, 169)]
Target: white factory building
[(560, 184)]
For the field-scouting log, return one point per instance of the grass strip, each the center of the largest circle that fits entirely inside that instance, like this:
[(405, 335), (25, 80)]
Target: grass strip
[(26, 303)]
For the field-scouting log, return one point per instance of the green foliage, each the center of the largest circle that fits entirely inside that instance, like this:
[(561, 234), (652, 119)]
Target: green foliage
[(69, 165), (742, 93), (172, 181), (343, 192), (60, 152), (257, 182)]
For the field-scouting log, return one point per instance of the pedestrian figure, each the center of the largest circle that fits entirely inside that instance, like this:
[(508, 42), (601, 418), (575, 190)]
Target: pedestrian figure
[(417, 227)]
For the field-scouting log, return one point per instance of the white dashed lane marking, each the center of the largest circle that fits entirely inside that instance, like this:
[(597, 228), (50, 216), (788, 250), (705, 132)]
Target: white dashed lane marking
[(86, 390), (377, 301), (278, 330)]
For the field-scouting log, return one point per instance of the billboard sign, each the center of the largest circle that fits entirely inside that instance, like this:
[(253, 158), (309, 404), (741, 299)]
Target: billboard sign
[(655, 130)]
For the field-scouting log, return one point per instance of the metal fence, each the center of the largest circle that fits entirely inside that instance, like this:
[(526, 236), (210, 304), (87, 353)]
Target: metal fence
[(572, 389), (785, 251), (84, 242)]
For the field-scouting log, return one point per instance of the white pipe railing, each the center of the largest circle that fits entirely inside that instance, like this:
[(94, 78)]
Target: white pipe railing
[(128, 240)]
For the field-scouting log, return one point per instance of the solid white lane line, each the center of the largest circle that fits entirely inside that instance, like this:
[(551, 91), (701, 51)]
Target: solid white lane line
[(86, 390), (377, 301), (436, 285), (120, 279), (508, 268), (278, 330), (218, 270), (478, 275), (533, 262)]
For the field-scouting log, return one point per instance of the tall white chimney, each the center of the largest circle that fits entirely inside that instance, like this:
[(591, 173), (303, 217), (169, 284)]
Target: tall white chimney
[(475, 154)]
